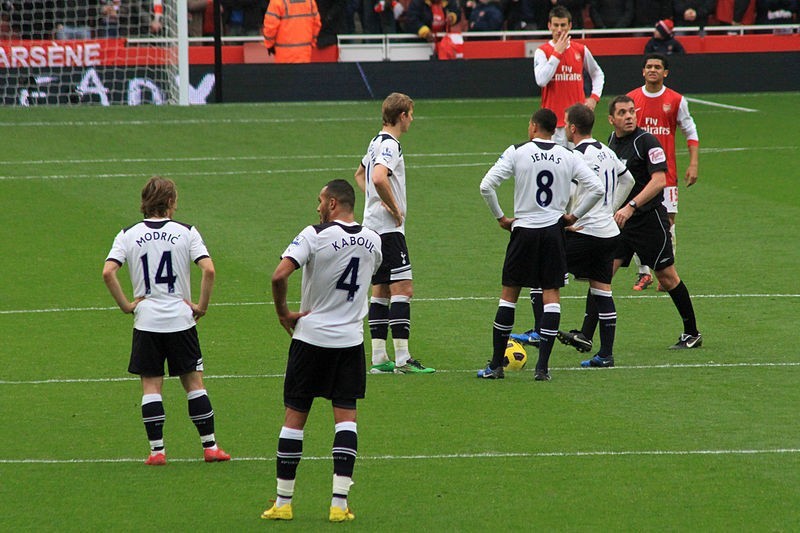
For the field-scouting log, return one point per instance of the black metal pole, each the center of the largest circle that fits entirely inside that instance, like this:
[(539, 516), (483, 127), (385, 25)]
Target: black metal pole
[(217, 52)]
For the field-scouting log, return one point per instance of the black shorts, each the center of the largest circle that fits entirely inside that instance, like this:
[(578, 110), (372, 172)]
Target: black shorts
[(648, 236), (396, 265), (338, 374), (181, 351), (536, 257), (590, 257)]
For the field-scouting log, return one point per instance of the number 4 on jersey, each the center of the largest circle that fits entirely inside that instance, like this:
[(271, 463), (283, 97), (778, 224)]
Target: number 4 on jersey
[(350, 285)]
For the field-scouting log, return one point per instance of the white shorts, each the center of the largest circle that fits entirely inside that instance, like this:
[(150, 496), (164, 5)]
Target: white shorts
[(671, 199), (560, 137)]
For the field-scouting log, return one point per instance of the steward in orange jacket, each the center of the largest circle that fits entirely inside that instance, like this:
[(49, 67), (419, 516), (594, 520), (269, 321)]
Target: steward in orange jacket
[(290, 30)]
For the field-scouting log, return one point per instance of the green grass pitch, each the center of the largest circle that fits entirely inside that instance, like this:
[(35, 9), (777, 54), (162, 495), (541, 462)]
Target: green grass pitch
[(706, 440)]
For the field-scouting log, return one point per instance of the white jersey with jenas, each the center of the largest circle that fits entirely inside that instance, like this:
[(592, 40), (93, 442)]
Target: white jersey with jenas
[(384, 150), (338, 260), (543, 171), (617, 182), (159, 253)]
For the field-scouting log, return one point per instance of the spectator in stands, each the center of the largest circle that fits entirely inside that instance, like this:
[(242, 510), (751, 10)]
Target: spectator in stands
[(332, 16), (33, 19), (291, 30), (648, 12), (428, 18), (663, 41), (485, 15), (7, 32), (196, 16), (575, 8), (75, 19), (243, 17), (693, 12), (523, 14), (777, 12), (611, 14), (736, 12), (378, 16)]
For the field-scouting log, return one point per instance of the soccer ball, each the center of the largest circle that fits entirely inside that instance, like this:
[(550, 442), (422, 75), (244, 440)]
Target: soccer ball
[(515, 357)]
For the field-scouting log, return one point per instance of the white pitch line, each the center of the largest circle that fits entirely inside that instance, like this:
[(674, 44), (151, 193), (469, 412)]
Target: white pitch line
[(451, 456), (724, 106), (678, 366), (419, 300), (193, 174), (224, 158)]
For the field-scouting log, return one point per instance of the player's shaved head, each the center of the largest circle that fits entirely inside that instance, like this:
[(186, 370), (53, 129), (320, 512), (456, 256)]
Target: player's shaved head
[(342, 191)]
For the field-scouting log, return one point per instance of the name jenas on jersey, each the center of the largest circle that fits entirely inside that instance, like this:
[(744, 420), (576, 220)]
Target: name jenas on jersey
[(151, 236), (545, 156), (353, 241)]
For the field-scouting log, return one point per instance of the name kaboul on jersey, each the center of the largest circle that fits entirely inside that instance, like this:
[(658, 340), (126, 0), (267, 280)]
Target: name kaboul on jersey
[(354, 241)]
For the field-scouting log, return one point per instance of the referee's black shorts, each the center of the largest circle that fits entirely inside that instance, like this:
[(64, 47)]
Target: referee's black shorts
[(338, 374), (590, 257), (536, 257), (647, 234)]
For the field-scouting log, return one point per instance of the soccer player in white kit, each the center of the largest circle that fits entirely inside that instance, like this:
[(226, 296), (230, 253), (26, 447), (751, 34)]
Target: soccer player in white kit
[(159, 252), (382, 176), (543, 172), (326, 355)]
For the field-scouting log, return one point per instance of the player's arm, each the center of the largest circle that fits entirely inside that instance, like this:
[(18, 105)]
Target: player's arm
[(691, 170), (361, 177), (500, 171), (655, 186), (280, 288), (110, 270), (593, 187), (200, 308), (689, 130), (625, 183), (543, 68), (380, 179), (597, 76)]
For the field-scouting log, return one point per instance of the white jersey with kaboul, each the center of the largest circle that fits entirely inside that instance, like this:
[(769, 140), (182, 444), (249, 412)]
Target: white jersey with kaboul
[(543, 172), (338, 261), (384, 150), (617, 183), (159, 253)]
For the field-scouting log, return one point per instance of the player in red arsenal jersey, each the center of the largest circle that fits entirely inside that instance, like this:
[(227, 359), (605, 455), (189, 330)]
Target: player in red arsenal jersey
[(558, 67), (661, 111)]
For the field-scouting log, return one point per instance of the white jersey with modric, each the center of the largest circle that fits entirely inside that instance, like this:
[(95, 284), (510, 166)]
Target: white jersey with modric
[(543, 172), (384, 150), (159, 253), (338, 261), (617, 182)]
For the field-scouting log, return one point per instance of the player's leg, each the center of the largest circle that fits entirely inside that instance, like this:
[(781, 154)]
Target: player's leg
[(153, 417), (400, 324), (669, 280), (185, 360), (345, 450), (551, 317), (378, 318), (147, 360), (501, 329), (201, 414), (290, 450), (643, 277), (671, 205), (531, 336), (607, 316)]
